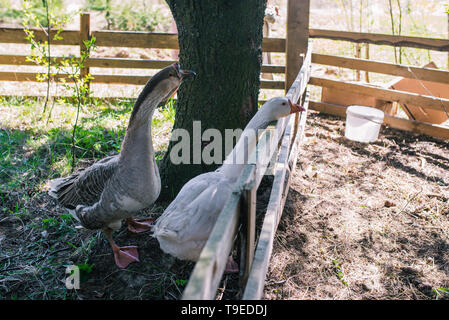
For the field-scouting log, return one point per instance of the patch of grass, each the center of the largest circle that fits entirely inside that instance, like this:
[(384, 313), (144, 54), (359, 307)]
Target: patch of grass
[(40, 238), (441, 293)]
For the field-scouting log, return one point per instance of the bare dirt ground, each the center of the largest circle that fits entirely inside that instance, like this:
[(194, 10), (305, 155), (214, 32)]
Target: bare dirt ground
[(364, 221)]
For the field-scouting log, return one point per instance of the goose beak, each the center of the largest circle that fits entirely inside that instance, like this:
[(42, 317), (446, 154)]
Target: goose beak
[(186, 74), (295, 107)]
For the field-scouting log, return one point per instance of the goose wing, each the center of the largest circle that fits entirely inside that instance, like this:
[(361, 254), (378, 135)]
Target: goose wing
[(193, 213), (85, 186)]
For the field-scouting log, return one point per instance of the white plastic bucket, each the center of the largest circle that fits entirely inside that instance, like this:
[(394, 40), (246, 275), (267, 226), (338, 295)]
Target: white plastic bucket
[(363, 123)]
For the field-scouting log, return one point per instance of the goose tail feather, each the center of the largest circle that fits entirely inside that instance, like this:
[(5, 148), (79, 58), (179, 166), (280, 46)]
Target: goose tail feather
[(63, 190)]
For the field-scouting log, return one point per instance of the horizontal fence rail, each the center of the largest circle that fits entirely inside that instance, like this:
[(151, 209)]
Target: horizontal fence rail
[(169, 41), (17, 35), (425, 74), (382, 39)]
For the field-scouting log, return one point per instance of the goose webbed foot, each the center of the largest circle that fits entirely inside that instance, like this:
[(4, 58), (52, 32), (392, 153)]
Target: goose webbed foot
[(231, 266), (123, 256), (140, 225)]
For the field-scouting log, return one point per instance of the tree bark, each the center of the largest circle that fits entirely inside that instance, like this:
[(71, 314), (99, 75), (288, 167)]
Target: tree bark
[(221, 41)]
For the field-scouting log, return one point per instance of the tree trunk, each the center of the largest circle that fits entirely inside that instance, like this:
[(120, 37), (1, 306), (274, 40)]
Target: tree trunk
[(221, 41)]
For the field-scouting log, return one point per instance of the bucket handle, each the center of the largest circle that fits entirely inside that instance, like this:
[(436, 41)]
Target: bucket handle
[(365, 118)]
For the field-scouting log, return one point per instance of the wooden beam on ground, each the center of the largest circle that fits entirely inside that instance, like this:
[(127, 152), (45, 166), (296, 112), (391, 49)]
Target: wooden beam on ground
[(427, 74), (382, 39), (384, 94), (429, 129), (297, 39)]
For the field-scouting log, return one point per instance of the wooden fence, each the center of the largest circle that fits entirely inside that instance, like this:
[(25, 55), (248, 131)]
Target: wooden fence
[(116, 39)]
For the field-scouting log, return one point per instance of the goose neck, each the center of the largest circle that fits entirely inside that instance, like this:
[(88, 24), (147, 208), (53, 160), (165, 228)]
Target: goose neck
[(245, 146)]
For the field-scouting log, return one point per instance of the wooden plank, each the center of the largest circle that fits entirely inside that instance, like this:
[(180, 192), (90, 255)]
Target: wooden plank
[(272, 84), (25, 76), (162, 40), (140, 80), (273, 45), (112, 79), (428, 74), (281, 183), (429, 129), (249, 216), (207, 273), (120, 79), (128, 63), (384, 94), (121, 63), (382, 39), (84, 36), (17, 35), (117, 79), (15, 60), (265, 68), (297, 39), (134, 39), (21, 60)]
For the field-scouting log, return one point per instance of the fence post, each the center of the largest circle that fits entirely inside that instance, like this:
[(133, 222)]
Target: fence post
[(84, 36), (297, 38), (248, 212), (297, 42)]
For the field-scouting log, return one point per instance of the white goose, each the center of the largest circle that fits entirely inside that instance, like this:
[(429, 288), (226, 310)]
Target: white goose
[(184, 227), (112, 189)]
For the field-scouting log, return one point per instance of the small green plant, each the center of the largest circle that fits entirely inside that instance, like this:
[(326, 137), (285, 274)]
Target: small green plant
[(41, 50), (85, 269), (79, 85), (68, 66), (181, 282), (440, 292), (339, 271)]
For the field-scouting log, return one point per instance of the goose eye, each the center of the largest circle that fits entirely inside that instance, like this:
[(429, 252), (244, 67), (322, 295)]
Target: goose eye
[(283, 103)]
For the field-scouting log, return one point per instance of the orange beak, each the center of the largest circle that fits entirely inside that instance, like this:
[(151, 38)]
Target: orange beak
[(294, 108)]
